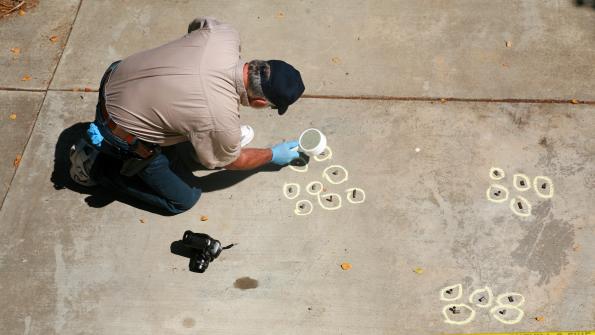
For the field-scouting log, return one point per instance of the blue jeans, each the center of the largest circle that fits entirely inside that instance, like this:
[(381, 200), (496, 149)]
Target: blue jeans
[(157, 184)]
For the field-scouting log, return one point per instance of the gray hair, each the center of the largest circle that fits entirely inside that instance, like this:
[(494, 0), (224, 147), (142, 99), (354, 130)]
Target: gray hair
[(255, 68)]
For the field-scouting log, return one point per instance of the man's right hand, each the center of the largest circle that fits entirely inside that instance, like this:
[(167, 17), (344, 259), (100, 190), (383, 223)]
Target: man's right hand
[(284, 153)]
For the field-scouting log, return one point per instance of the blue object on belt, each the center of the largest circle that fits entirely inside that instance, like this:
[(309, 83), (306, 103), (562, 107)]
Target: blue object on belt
[(94, 135)]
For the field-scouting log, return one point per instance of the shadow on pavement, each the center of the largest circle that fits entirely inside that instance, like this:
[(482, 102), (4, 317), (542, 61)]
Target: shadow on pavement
[(99, 197), (582, 3)]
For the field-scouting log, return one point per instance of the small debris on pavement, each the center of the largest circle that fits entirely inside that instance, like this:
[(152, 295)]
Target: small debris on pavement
[(26, 77), (443, 100), (15, 51), (142, 221), (574, 101), (539, 318), (418, 271), (22, 12), (346, 266), (17, 160), (336, 60), (204, 218), (88, 89), (508, 44), (417, 149), (54, 38), (12, 116), (280, 15)]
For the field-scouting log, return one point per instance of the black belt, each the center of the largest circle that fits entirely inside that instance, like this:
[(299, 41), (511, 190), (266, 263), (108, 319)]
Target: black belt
[(138, 146)]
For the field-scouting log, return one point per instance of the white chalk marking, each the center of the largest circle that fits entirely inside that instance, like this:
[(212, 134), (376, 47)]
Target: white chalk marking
[(328, 153), (323, 197), (516, 183), (349, 192), (299, 211), (515, 210), (488, 292), (518, 302), (497, 173), (319, 187), (453, 322), (540, 180), (490, 193), (458, 287), (295, 190), (496, 314), (325, 174), (301, 169)]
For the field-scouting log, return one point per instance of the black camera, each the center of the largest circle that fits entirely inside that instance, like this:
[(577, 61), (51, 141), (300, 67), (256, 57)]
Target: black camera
[(204, 250)]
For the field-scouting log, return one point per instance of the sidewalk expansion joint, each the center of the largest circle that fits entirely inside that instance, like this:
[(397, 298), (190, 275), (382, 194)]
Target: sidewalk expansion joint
[(362, 97), (448, 99)]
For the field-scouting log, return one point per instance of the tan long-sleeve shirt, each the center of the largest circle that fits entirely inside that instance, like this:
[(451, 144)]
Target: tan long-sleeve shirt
[(186, 90)]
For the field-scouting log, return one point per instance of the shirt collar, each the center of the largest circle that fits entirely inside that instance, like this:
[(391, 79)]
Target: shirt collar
[(239, 78)]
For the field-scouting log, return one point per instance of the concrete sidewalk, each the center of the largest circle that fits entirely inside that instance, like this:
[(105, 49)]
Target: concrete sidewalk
[(74, 261)]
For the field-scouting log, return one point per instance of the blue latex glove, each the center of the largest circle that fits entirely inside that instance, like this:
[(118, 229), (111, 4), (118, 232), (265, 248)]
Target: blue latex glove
[(94, 135), (284, 153)]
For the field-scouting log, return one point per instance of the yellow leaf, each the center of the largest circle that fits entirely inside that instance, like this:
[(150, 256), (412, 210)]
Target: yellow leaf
[(418, 271), (17, 160), (54, 38), (346, 266), (15, 51), (26, 77), (574, 101), (204, 218), (22, 12), (12, 116), (539, 318)]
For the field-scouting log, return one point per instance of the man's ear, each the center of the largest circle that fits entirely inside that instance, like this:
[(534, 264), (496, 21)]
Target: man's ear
[(259, 103)]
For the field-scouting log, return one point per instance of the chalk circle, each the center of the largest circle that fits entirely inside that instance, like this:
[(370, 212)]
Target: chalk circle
[(481, 297), (520, 206), (497, 193), (303, 207), (503, 314), (314, 188), (329, 201), (521, 182), (497, 173), (291, 190), (299, 165), (326, 154), (448, 293), (543, 186), (335, 174), (452, 310), (511, 299), (355, 195)]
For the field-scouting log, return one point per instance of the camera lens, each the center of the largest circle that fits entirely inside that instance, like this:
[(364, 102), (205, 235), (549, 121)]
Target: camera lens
[(198, 263)]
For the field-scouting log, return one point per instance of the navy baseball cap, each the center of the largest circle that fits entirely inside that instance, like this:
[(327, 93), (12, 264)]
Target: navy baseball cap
[(284, 86)]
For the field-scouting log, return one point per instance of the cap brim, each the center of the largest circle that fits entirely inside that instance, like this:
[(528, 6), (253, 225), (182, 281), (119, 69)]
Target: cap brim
[(282, 109)]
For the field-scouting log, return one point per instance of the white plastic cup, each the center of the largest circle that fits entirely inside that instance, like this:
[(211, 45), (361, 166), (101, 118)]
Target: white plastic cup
[(312, 142)]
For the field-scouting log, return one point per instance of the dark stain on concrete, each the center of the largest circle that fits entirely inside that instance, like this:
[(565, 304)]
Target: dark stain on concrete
[(245, 283), (543, 142), (188, 322), (519, 117), (545, 245)]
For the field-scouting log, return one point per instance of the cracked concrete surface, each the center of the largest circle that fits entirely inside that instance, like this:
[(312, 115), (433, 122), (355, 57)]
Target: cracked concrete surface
[(73, 261)]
